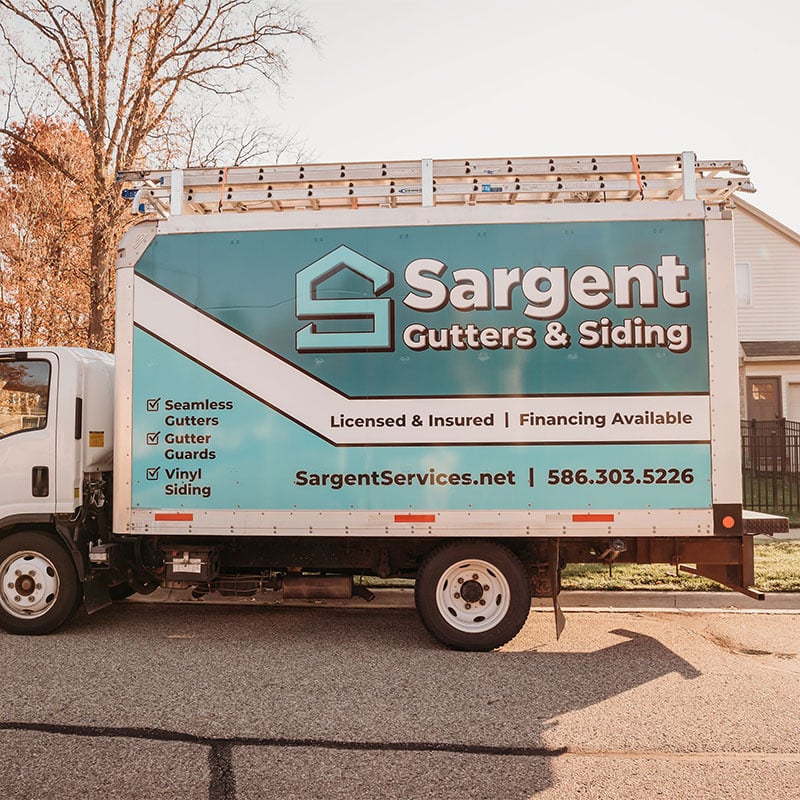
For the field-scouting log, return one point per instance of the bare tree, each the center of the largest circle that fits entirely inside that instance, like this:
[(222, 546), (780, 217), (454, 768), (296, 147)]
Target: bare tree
[(121, 69), (203, 136)]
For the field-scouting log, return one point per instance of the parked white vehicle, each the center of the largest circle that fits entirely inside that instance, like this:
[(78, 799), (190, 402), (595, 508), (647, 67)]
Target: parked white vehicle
[(467, 372)]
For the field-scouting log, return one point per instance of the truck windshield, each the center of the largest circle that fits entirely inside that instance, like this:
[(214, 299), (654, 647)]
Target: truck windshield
[(24, 391)]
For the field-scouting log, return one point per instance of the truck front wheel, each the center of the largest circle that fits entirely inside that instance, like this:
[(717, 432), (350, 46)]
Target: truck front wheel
[(472, 594), (39, 587)]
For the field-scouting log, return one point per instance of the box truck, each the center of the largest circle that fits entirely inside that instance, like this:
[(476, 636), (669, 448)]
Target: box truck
[(466, 372)]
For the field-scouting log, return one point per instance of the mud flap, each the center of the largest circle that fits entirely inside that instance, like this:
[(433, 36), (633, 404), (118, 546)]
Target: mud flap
[(553, 557), (96, 594)]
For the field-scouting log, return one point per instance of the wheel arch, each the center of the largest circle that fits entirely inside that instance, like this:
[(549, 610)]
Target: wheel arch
[(45, 523)]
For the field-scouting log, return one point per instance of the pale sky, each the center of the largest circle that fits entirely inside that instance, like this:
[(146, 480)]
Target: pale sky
[(398, 79)]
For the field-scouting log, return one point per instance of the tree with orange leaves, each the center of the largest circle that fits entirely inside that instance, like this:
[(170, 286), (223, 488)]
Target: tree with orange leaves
[(131, 74), (44, 240)]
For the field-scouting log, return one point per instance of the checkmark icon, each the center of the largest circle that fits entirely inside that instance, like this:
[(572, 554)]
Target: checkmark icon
[(152, 473), (153, 404), (152, 438)]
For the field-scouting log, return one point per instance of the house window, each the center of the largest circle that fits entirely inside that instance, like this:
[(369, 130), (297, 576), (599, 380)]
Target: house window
[(762, 391), (743, 284)]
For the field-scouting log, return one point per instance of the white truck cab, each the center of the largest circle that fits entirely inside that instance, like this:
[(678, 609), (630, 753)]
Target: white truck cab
[(56, 441)]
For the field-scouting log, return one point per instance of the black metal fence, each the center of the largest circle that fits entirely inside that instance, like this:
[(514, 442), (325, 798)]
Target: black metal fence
[(771, 465)]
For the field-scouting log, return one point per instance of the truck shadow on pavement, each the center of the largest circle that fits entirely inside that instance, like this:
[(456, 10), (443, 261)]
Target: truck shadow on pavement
[(309, 702)]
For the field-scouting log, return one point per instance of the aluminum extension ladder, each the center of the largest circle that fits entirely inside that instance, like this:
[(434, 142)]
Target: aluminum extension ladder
[(430, 182)]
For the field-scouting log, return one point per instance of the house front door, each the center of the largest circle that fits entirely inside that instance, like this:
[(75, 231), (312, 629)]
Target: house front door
[(763, 398)]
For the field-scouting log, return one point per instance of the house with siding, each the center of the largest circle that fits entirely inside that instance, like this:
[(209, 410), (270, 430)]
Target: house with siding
[(768, 298)]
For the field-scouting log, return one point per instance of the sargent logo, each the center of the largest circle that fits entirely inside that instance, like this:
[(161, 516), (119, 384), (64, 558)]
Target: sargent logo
[(351, 314)]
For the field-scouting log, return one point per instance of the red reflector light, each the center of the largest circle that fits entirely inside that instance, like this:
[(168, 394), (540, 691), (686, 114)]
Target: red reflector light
[(174, 517), (592, 517), (415, 517)]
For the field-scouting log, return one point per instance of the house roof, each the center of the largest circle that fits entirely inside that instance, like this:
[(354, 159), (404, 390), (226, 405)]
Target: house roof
[(766, 218), (771, 349)]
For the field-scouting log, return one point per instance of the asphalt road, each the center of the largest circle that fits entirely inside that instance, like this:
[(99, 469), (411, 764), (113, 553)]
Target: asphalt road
[(149, 700)]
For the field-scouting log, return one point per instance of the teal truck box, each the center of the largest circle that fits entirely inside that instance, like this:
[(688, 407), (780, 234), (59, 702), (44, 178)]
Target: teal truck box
[(468, 373)]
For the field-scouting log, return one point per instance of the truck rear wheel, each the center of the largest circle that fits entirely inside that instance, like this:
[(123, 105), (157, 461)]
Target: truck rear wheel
[(39, 587), (472, 595)]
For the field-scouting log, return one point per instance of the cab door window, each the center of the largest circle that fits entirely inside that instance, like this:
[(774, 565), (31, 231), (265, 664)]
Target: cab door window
[(24, 393)]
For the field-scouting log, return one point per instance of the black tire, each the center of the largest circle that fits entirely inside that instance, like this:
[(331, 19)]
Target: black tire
[(39, 586), (472, 594)]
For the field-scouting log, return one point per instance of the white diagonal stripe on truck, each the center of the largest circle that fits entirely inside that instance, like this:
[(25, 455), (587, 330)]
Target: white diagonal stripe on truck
[(419, 420)]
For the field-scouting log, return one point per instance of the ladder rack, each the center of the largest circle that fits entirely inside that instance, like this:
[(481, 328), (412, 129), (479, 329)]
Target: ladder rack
[(286, 187)]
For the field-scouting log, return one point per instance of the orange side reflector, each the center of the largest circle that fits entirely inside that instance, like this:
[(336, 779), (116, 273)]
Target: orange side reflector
[(593, 517), (174, 517), (415, 517)]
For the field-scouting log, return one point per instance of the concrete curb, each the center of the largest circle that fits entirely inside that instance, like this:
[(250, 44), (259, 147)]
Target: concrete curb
[(655, 600), (673, 601)]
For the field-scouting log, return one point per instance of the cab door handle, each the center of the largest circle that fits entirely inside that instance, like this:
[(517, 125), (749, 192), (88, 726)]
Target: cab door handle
[(40, 481)]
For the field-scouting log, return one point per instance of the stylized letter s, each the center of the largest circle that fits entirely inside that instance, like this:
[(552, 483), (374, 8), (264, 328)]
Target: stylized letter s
[(309, 306)]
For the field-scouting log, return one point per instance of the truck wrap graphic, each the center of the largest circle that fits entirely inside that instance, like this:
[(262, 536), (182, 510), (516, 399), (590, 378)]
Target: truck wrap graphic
[(510, 366)]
